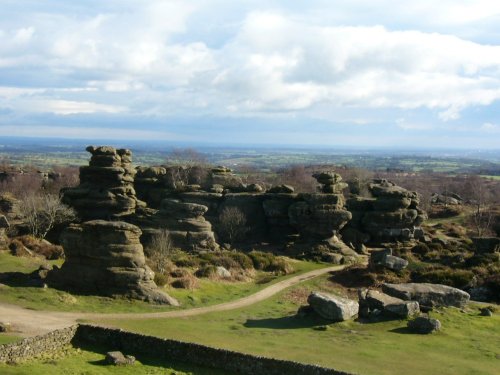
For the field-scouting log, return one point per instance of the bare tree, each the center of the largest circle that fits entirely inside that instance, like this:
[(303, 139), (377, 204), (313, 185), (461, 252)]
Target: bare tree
[(480, 198), (185, 165), (41, 212), (232, 224), (159, 250)]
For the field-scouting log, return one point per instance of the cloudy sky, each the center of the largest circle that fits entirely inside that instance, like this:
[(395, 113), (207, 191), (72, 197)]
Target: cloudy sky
[(366, 73)]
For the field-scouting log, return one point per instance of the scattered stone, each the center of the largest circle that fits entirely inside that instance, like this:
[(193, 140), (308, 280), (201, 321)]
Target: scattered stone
[(333, 307), (223, 273), (428, 295), (424, 325), (118, 359), (374, 302), (394, 263), (486, 311)]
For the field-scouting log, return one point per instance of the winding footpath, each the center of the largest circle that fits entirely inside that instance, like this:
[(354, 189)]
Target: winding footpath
[(29, 322)]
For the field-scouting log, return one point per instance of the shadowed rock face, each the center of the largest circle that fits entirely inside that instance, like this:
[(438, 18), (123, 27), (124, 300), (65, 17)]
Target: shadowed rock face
[(106, 188), (320, 216), (106, 258), (4, 224)]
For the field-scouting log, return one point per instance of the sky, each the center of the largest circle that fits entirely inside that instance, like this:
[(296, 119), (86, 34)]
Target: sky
[(360, 73)]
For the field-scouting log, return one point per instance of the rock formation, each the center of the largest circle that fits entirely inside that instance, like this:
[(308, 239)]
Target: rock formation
[(106, 258), (106, 188), (320, 216), (184, 222), (222, 179), (391, 215)]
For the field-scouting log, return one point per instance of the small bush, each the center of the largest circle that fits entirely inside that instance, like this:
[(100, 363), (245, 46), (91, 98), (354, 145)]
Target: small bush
[(186, 282), (420, 249), (41, 247), (161, 279), (185, 260), (206, 271), (269, 262)]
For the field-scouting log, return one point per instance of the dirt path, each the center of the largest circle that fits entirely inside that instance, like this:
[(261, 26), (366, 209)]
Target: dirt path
[(28, 322)]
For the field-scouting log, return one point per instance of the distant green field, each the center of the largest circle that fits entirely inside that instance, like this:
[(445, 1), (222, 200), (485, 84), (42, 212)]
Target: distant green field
[(467, 344)]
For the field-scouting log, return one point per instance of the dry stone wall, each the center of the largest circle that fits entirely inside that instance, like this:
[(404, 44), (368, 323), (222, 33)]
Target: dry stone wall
[(141, 345), (35, 346)]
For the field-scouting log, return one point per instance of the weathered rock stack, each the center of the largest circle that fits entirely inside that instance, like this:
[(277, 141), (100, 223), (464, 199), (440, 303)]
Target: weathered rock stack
[(320, 216), (186, 225), (106, 258), (106, 188), (391, 215)]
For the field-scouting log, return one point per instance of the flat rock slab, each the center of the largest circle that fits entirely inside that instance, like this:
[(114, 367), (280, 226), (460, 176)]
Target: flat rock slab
[(333, 307), (429, 295)]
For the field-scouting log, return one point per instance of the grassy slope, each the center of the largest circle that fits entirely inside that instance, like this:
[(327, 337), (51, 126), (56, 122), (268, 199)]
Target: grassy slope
[(209, 293), (75, 361), (468, 343)]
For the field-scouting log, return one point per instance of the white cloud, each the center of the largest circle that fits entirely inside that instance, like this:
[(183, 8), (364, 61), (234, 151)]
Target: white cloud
[(145, 58), (488, 127)]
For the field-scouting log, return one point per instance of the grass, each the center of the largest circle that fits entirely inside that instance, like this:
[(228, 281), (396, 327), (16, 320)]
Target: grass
[(209, 293), (467, 344), (90, 361), (7, 338)]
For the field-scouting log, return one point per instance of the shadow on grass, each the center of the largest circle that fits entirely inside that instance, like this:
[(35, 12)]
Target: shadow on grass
[(402, 330), (147, 360), (287, 322)]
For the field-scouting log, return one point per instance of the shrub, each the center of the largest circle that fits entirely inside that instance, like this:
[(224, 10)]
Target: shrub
[(446, 276), (186, 282), (206, 271), (232, 224), (161, 279), (420, 249), (270, 263), (41, 247), (182, 259)]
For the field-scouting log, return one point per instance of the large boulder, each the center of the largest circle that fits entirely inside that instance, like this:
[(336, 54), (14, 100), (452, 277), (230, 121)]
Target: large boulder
[(428, 295), (333, 307), (106, 258), (372, 301), (4, 225)]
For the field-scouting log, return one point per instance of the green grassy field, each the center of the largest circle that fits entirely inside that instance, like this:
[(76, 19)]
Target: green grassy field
[(209, 292), (75, 361), (6, 338), (467, 344)]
